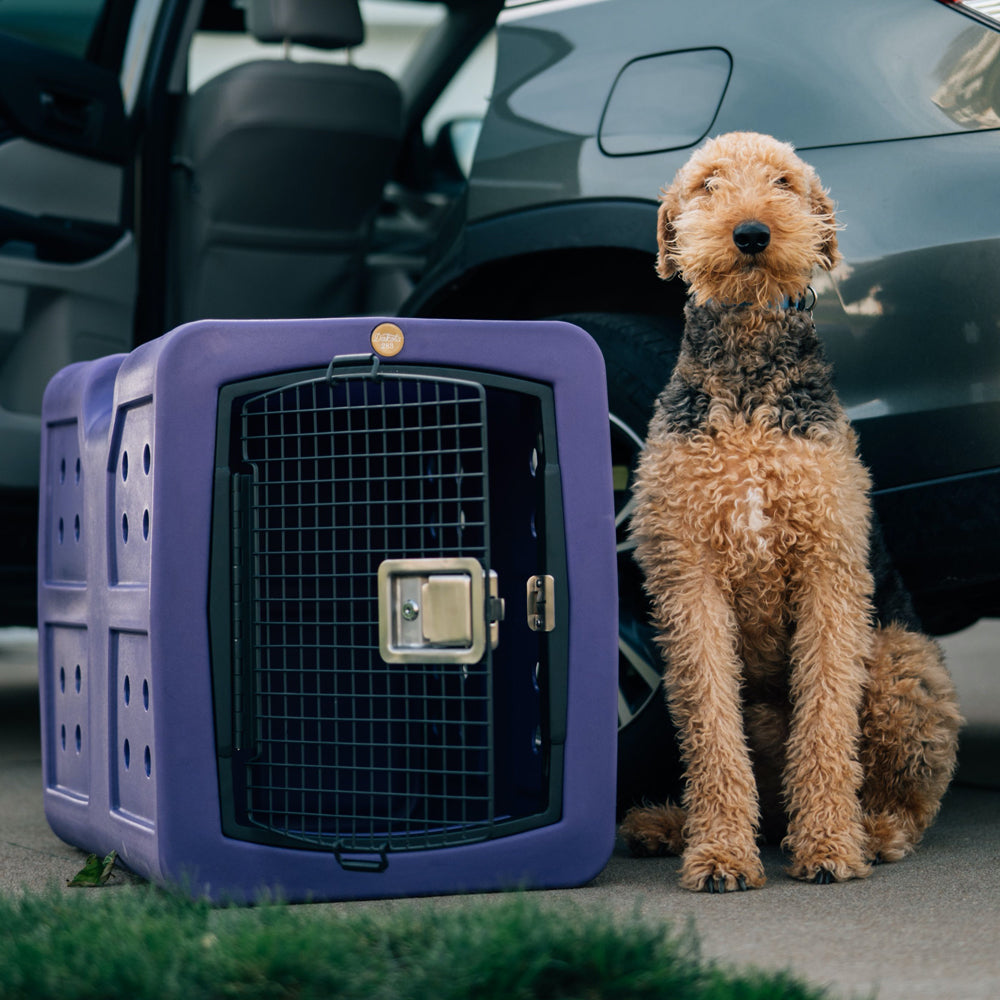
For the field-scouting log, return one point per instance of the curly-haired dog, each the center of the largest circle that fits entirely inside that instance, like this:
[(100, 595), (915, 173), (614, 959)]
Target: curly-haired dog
[(752, 529)]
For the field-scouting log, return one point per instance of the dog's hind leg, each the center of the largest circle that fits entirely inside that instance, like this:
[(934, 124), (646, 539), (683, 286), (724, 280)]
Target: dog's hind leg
[(909, 739), (652, 831)]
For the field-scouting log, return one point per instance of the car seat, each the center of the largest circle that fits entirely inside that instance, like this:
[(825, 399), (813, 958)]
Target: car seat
[(279, 168)]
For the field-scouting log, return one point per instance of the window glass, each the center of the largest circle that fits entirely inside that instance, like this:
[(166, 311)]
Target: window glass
[(137, 48), (62, 25), (393, 31), (465, 99)]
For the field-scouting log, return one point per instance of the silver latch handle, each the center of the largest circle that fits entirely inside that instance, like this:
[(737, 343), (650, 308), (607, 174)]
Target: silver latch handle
[(437, 610)]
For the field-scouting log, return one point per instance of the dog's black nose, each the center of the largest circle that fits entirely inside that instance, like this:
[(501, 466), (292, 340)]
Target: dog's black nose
[(751, 236)]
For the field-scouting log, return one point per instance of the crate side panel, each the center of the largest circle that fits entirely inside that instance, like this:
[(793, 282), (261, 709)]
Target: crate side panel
[(131, 749), (65, 660), (130, 493), (65, 516)]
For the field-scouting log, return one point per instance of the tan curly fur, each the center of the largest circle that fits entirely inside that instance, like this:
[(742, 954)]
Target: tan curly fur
[(752, 529), (726, 182)]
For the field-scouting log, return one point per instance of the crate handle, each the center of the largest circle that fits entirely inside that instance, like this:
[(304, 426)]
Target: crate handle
[(351, 360), (352, 861)]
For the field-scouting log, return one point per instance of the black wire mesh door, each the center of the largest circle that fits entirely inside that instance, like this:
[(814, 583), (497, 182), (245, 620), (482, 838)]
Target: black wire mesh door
[(349, 472), (327, 744)]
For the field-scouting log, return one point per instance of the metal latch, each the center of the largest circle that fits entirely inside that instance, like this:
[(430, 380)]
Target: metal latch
[(541, 603), (437, 610)]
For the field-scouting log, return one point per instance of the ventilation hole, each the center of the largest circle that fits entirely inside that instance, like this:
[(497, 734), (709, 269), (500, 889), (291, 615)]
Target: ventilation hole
[(145, 695), (76, 527), (62, 471), (78, 470), (536, 677), (533, 462), (79, 678), (145, 525), (125, 528), (79, 739), (124, 466), (127, 754), (536, 743), (62, 736), (128, 690), (61, 531), (532, 527), (62, 678), (145, 459), (147, 762)]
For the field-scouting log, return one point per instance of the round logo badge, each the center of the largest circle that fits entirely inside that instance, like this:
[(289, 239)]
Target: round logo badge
[(387, 340)]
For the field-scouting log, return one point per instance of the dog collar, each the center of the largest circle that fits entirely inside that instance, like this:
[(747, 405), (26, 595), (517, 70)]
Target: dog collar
[(804, 303)]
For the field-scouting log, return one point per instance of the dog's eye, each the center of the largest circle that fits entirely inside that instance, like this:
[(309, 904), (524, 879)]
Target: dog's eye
[(782, 182), (709, 182)]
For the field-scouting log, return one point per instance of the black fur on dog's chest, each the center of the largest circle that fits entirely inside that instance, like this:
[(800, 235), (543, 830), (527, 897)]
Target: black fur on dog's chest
[(740, 364)]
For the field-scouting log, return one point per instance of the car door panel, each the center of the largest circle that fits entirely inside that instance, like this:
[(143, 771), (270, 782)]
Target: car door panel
[(62, 101), (68, 260)]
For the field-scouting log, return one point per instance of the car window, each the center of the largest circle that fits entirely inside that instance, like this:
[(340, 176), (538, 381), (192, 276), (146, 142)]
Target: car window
[(393, 31), (464, 101), (140, 34), (63, 25)]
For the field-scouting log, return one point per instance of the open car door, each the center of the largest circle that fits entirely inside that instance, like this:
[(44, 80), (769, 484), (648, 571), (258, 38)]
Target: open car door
[(68, 260)]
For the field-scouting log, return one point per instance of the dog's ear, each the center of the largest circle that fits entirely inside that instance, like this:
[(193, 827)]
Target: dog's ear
[(824, 209), (666, 266)]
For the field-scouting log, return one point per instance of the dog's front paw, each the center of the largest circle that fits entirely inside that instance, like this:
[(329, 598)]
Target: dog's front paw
[(824, 868), (826, 856), (716, 869)]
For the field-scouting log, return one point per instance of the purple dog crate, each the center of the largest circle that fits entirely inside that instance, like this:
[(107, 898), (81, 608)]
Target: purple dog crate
[(327, 608)]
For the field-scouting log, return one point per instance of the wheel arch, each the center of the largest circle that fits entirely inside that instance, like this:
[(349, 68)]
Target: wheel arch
[(581, 257)]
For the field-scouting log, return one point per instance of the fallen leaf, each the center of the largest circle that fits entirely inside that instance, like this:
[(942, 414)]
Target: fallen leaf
[(94, 872)]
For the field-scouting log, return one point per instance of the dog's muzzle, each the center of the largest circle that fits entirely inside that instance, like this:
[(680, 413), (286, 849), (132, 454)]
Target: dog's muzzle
[(751, 237)]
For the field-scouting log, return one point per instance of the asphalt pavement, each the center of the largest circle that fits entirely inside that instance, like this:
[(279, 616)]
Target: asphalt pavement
[(927, 927)]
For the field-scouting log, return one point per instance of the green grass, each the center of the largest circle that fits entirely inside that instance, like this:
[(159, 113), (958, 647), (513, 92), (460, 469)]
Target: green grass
[(146, 943)]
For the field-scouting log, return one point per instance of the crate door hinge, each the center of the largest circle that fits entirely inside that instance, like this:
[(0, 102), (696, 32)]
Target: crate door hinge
[(541, 603), (240, 593)]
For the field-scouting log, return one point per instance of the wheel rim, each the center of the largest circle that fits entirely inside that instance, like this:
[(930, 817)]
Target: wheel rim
[(639, 667)]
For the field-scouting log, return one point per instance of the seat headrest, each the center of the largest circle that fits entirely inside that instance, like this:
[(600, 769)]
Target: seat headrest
[(322, 24)]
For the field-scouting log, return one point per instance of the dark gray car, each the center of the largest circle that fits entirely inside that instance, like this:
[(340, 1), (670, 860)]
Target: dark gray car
[(111, 206)]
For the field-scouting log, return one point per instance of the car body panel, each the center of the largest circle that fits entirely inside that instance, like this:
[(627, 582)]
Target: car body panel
[(932, 71), (902, 341)]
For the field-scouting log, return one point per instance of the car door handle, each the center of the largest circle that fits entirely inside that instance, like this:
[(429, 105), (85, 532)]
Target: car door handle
[(68, 114), (57, 240)]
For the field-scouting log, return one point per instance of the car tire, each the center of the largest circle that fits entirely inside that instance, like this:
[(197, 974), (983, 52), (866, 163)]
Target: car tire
[(639, 353)]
